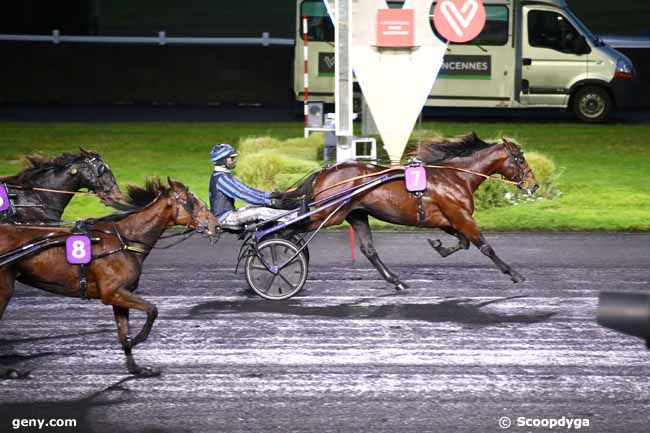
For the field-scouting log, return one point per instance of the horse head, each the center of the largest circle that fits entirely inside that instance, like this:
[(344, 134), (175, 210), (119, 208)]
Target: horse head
[(189, 210), (93, 173), (515, 167)]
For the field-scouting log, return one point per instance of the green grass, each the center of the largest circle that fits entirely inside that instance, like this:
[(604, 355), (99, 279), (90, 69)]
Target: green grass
[(606, 168), (605, 176)]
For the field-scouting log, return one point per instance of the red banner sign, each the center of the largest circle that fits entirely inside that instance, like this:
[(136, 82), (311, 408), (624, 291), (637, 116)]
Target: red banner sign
[(395, 28)]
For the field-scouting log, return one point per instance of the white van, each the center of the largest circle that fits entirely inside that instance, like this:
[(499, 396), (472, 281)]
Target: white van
[(531, 53)]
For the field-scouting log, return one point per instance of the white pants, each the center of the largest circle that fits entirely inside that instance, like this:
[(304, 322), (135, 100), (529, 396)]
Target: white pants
[(251, 214)]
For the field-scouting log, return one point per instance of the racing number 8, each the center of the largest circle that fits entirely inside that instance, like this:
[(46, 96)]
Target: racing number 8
[(78, 250)]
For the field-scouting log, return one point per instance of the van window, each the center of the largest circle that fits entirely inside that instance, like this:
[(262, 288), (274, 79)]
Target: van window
[(495, 31), (320, 27), (552, 30)]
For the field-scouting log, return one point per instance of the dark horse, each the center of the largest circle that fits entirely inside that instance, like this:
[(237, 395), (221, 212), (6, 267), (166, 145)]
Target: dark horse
[(447, 203), (68, 172), (125, 240)]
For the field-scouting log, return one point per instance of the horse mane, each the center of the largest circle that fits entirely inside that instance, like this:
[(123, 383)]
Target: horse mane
[(34, 165), (136, 199), (306, 187), (443, 149)]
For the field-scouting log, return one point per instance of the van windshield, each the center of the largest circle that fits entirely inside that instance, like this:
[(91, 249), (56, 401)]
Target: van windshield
[(583, 29), (319, 25)]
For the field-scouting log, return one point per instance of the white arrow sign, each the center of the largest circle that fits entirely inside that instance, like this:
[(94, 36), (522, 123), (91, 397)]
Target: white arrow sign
[(396, 83)]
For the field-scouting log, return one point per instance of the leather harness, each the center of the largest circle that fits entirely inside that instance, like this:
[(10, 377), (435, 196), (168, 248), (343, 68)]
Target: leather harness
[(81, 228), (421, 211)]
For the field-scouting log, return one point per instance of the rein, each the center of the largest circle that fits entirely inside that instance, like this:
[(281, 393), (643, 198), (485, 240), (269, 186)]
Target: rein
[(56, 191), (510, 182)]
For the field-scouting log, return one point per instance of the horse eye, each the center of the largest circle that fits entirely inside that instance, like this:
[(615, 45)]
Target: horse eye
[(101, 170)]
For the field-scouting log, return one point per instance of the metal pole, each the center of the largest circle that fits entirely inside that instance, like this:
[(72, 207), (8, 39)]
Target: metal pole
[(343, 79), (305, 57)]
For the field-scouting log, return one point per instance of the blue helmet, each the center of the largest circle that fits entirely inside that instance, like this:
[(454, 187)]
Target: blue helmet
[(220, 151)]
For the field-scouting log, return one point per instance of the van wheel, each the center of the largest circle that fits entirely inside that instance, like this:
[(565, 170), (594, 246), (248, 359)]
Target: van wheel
[(592, 104)]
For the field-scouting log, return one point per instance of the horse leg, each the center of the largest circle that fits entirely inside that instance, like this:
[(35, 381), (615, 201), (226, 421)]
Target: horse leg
[(359, 221), (463, 243), (463, 222), (122, 320), (122, 300), (7, 282)]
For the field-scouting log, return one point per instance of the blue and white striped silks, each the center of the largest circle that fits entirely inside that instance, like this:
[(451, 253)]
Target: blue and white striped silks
[(234, 188)]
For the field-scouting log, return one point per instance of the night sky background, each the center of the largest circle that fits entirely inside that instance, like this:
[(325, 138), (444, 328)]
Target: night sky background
[(238, 18)]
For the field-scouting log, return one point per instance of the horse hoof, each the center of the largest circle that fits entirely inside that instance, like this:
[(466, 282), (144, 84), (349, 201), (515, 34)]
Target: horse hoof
[(401, 286), (145, 372), (517, 277), (435, 244)]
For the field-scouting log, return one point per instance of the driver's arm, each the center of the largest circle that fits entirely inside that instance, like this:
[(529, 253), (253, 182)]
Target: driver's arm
[(234, 188)]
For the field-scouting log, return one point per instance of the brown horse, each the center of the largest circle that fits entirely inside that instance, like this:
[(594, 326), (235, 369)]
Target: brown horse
[(125, 240), (447, 203)]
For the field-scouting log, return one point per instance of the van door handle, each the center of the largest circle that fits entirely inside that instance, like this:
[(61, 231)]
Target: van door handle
[(527, 62)]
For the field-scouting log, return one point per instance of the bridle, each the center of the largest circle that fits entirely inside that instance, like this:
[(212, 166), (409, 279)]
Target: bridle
[(518, 160), (190, 208), (98, 168)]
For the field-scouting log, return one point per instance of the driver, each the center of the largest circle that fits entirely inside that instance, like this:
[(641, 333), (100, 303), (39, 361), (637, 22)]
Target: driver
[(225, 188)]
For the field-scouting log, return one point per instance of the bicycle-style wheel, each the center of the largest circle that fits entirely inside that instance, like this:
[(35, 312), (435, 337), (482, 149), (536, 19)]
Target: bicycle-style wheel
[(284, 283)]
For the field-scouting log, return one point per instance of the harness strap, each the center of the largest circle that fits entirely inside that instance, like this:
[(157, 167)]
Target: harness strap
[(421, 212), (80, 228), (444, 167), (124, 246), (83, 282)]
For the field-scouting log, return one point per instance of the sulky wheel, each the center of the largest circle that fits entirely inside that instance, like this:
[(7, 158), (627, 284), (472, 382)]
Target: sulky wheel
[(284, 283), (297, 240)]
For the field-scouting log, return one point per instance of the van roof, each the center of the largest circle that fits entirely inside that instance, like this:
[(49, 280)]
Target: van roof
[(558, 3)]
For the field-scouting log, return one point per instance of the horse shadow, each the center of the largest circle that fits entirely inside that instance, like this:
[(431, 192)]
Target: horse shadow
[(461, 310), (13, 358), (78, 410)]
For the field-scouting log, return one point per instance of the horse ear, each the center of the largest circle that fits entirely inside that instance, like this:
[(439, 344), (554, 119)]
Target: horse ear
[(176, 185)]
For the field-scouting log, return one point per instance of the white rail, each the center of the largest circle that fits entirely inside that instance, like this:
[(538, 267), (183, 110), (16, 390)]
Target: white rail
[(627, 41), (162, 39), (265, 40)]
